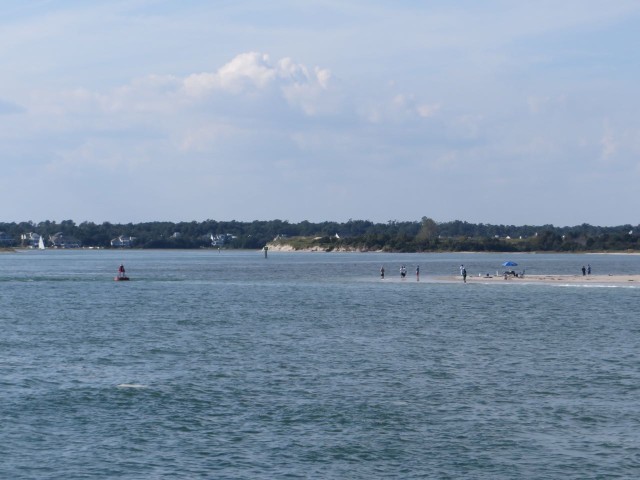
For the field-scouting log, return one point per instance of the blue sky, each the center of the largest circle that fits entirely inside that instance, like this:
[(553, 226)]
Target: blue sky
[(490, 112)]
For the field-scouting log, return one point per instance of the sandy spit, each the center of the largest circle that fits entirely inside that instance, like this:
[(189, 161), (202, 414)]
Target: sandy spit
[(562, 279)]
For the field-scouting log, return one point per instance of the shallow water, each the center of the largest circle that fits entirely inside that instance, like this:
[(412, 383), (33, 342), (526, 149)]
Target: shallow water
[(229, 365)]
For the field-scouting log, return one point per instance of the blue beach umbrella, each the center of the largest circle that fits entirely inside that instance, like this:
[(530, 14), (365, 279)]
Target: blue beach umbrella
[(509, 264)]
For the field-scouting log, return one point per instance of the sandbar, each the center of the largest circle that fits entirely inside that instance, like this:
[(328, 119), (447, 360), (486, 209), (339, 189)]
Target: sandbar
[(562, 279)]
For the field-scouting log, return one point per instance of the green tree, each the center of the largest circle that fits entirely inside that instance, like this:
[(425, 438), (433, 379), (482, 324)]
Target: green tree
[(428, 229)]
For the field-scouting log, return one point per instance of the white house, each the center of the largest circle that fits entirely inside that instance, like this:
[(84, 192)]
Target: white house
[(122, 242)]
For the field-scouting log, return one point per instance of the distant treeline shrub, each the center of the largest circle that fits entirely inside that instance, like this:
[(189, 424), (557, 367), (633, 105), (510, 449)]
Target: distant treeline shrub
[(393, 236)]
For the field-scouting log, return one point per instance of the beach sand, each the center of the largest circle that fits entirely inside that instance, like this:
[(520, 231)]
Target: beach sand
[(563, 279)]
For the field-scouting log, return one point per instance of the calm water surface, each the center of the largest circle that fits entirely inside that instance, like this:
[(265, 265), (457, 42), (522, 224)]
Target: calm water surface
[(229, 365)]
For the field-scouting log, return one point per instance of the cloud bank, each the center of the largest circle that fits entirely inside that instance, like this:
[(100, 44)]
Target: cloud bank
[(488, 113)]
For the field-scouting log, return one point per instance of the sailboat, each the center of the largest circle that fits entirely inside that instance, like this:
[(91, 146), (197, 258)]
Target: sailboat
[(41, 244)]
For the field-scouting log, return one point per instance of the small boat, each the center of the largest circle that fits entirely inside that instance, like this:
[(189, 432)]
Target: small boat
[(41, 243), (121, 279)]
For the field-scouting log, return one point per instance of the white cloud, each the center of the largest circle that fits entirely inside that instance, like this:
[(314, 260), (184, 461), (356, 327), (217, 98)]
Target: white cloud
[(253, 72), (196, 111), (399, 107), (245, 71), (426, 111)]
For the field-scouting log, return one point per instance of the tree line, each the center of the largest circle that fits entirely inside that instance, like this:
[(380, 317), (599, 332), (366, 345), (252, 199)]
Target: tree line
[(392, 236)]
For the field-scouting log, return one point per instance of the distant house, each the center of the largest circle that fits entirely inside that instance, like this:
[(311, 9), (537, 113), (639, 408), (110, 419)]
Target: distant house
[(221, 239), (123, 242), (6, 240), (32, 239), (59, 240)]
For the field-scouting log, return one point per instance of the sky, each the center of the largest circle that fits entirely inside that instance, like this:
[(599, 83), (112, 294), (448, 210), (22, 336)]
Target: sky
[(499, 112)]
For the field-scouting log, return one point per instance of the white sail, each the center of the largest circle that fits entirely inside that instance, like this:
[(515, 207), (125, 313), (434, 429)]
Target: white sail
[(41, 243)]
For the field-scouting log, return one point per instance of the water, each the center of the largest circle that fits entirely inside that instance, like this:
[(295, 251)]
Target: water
[(227, 365)]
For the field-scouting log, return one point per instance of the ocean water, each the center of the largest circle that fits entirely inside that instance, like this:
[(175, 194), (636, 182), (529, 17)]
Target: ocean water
[(232, 366)]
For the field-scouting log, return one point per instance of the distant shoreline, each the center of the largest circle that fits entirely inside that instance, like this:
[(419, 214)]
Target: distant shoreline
[(286, 248)]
